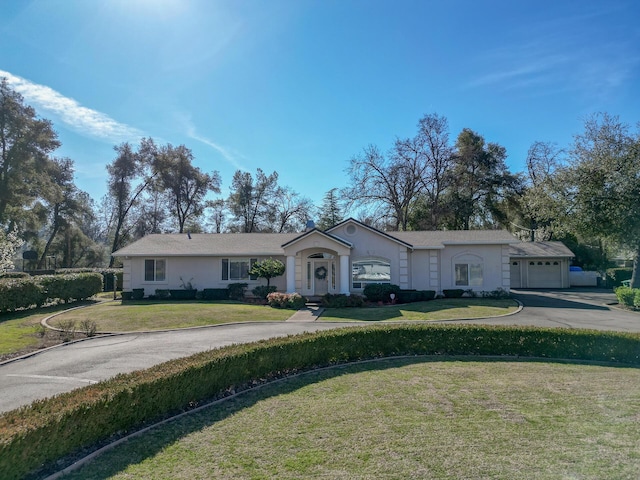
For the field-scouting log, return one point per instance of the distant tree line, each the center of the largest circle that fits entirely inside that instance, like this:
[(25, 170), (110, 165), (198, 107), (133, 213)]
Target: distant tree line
[(586, 194)]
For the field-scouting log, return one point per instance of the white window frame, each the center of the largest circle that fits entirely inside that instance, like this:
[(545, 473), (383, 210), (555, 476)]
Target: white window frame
[(468, 276), (156, 270), (225, 268), (359, 284)]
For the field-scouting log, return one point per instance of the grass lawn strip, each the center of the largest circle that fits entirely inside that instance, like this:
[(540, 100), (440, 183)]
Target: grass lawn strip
[(405, 418), (149, 315), (434, 310)]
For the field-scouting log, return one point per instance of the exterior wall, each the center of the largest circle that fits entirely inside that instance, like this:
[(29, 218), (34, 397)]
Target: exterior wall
[(495, 266), (202, 272), (368, 244)]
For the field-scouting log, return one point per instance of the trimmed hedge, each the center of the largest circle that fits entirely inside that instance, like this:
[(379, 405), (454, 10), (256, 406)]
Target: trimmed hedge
[(294, 301), (340, 300), (410, 296), (47, 430), (453, 293), (36, 291), (380, 292), (16, 293), (215, 294)]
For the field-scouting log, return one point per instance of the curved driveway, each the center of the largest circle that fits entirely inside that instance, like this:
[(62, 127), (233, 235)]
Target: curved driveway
[(70, 366)]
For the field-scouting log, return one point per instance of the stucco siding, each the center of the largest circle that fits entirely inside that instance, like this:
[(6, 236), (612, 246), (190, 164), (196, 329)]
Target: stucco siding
[(490, 256)]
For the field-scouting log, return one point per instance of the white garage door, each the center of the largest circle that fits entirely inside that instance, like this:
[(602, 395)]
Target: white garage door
[(545, 274)]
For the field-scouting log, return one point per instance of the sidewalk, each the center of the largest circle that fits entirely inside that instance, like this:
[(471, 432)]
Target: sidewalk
[(308, 314)]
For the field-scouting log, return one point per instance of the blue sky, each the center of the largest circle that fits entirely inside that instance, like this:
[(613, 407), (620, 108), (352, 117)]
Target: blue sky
[(301, 86)]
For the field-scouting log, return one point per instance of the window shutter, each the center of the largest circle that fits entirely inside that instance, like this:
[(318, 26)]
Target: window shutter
[(225, 269)]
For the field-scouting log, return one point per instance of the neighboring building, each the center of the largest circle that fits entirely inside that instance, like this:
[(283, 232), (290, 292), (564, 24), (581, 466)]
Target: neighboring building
[(343, 259), (540, 265)]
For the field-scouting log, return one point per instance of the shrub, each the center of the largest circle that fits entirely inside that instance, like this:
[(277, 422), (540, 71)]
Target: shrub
[(162, 293), (127, 296), (625, 295), (236, 290), (261, 291), (453, 293), (410, 296), (340, 300), (498, 293), (14, 275), (636, 298), (380, 292), (286, 300), (181, 294), (74, 286), (138, 293), (16, 293), (215, 294)]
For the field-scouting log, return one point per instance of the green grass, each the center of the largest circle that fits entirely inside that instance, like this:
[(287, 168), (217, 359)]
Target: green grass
[(21, 331), (115, 316), (405, 418), (441, 309)]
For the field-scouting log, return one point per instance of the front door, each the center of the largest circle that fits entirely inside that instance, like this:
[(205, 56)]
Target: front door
[(320, 278)]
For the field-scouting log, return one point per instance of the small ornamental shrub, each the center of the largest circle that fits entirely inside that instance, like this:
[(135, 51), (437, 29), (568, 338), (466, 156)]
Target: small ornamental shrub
[(236, 290), (453, 293), (380, 292), (127, 296), (261, 291), (138, 293), (162, 294), (268, 269), (181, 294), (286, 300), (636, 298), (626, 296), (498, 293)]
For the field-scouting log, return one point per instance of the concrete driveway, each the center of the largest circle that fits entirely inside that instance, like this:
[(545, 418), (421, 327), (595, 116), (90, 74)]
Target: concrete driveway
[(572, 308), (74, 365)]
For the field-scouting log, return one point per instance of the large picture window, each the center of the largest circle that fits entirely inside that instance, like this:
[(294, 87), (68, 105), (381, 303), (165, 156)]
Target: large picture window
[(468, 274), (237, 268), (370, 271), (155, 270)]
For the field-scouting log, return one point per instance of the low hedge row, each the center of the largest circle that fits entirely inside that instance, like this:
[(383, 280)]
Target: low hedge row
[(629, 297), (47, 430), (16, 293)]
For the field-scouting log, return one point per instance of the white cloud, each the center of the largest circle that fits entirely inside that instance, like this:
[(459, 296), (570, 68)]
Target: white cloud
[(81, 119), (190, 131)]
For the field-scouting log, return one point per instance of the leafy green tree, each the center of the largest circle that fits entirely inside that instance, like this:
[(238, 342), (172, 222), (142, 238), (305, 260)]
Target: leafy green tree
[(129, 177), (25, 144), (604, 176), (330, 213), (268, 269), (479, 179), (251, 201), (184, 186)]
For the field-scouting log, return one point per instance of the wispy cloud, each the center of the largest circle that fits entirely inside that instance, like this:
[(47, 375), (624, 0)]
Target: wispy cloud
[(227, 154), (79, 118), (566, 54)]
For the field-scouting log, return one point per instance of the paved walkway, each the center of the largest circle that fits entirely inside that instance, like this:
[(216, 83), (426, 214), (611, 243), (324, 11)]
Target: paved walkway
[(308, 314)]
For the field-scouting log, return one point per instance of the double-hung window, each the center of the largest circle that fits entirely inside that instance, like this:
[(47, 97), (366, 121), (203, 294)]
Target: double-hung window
[(155, 270), (237, 268), (468, 274)]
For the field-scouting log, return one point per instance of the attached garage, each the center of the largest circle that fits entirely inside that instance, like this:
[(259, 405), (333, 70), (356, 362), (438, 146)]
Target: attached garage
[(540, 265)]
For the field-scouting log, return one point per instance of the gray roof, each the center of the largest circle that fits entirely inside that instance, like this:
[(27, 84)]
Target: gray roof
[(540, 249), (271, 244), (440, 238), (206, 244)]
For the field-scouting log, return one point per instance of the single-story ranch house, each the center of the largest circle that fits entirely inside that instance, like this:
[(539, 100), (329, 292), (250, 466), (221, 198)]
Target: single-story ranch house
[(342, 259)]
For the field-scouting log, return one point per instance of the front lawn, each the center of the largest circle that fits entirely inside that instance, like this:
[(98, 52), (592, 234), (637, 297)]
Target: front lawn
[(161, 315), (405, 418), (441, 309)]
